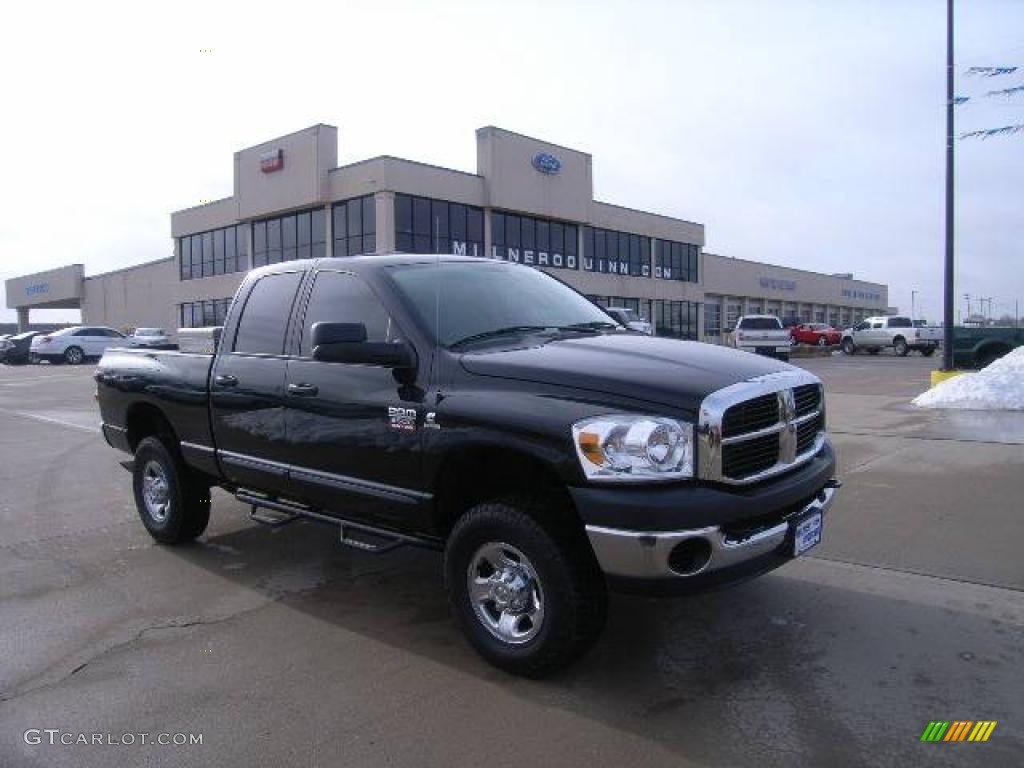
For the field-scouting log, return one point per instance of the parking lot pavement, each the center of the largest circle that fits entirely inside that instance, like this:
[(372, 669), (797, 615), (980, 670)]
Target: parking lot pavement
[(281, 648)]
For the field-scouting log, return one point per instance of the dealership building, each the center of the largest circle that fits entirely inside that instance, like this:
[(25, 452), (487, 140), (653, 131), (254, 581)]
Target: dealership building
[(529, 201)]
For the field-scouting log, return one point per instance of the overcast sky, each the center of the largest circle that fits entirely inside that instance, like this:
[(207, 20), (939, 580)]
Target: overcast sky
[(808, 134)]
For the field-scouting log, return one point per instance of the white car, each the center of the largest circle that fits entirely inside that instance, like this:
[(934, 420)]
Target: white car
[(74, 345), (153, 338), (762, 334), (631, 320)]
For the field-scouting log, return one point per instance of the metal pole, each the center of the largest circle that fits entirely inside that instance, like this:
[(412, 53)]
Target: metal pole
[(947, 320), (913, 303)]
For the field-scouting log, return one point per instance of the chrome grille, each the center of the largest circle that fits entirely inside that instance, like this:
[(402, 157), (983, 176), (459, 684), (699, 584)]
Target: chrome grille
[(751, 415), (740, 460), (807, 398), (760, 428)]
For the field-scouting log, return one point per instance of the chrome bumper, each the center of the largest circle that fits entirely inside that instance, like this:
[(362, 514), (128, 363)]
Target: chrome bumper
[(646, 555)]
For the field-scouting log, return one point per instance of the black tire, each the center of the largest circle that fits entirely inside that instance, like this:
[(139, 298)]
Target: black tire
[(74, 356), (784, 356), (848, 347), (187, 510), (569, 583), (928, 351), (901, 347), (822, 341)]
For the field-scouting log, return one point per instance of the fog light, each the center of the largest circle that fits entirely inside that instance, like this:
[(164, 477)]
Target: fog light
[(690, 556)]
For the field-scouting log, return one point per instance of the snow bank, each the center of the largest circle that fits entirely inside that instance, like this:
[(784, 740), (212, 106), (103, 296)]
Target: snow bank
[(998, 387)]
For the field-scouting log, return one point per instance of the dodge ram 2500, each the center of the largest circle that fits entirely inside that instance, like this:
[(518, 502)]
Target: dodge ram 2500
[(486, 410)]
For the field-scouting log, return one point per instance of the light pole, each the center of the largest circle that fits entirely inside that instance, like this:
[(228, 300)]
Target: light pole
[(948, 298), (913, 304)]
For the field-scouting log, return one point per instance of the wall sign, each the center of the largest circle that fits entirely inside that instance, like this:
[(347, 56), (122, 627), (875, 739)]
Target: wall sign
[(546, 163), (272, 161), (778, 285), (37, 290)]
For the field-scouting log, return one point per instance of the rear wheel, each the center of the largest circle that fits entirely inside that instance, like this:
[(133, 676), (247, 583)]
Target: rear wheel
[(901, 347), (524, 585), (822, 341), (989, 355), (848, 347), (173, 504), (74, 355)]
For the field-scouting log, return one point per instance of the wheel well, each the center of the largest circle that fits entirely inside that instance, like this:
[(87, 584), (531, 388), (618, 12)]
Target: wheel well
[(996, 348), (475, 475), (145, 420), (899, 338)]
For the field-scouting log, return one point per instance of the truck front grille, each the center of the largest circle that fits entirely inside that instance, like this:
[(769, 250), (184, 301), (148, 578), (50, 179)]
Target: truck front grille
[(741, 460), (761, 428), (807, 398), (751, 415)]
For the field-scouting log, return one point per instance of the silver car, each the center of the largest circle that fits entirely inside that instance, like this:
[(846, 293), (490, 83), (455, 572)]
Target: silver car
[(154, 338), (74, 345)]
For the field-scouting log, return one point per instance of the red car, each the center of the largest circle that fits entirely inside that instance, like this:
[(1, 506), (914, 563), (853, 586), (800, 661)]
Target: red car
[(821, 334)]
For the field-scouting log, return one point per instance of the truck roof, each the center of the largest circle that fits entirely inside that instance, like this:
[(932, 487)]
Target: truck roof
[(370, 261)]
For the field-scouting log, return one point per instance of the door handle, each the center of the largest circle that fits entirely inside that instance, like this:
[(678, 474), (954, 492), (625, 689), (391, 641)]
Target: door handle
[(303, 390), (225, 380)]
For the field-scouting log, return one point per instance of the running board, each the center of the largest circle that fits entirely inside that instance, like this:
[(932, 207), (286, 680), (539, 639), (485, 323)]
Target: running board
[(283, 512)]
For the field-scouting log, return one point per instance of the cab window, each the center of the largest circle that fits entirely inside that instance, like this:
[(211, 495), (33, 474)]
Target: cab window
[(261, 329), (339, 297)]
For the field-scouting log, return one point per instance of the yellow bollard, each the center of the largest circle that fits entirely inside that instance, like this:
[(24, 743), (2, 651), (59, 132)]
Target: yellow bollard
[(940, 376)]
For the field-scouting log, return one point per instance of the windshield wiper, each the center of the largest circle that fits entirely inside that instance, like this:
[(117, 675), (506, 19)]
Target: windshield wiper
[(501, 332), (595, 326)]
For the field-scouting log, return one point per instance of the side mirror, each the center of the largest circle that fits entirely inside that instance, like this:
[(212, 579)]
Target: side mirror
[(346, 343)]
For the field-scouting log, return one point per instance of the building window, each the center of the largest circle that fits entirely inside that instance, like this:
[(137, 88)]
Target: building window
[(712, 318), (286, 238), (202, 314), (423, 225), (616, 253), (677, 261), (642, 307), (733, 310), (355, 226), (538, 242), (676, 319), (218, 252)]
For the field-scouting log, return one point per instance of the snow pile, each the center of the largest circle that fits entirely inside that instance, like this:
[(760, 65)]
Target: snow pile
[(998, 387)]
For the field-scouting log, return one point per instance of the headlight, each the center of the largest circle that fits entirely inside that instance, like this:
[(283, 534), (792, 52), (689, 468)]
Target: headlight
[(632, 448)]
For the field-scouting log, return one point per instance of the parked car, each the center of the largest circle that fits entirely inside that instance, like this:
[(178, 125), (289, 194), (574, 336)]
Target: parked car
[(819, 334), (486, 410), (762, 334), (977, 347), (75, 345), (149, 338), (15, 349), (897, 333), (631, 320)]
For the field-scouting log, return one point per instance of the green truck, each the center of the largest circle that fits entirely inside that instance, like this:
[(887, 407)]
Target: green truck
[(976, 347)]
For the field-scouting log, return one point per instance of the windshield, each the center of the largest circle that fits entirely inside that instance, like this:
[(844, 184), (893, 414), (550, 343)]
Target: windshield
[(760, 324), (626, 315), (149, 332), (487, 298)]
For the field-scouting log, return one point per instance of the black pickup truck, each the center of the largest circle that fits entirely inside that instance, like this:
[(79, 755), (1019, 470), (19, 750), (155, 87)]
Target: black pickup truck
[(486, 410)]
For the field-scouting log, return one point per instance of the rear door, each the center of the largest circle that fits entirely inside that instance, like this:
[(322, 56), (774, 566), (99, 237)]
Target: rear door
[(353, 430), (247, 386)]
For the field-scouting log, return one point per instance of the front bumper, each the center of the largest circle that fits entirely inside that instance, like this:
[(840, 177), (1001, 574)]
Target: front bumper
[(647, 556)]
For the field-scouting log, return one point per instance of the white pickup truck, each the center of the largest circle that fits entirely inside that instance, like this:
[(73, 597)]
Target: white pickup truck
[(762, 334), (898, 333)]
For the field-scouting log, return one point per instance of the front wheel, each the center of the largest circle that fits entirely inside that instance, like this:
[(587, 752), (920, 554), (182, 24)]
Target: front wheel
[(822, 341), (848, 347), (173, 504), (524, 586)]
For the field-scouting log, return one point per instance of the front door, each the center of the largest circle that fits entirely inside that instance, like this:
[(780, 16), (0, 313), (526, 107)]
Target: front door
[(247, 388), (353, 430)]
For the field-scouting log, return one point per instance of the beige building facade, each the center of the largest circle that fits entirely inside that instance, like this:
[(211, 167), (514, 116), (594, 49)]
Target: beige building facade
[(528, 201)]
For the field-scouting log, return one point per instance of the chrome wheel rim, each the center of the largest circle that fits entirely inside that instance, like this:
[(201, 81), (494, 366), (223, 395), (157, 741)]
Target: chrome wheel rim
[(74, 356), (822, 341), (156, 492), (505, 593)]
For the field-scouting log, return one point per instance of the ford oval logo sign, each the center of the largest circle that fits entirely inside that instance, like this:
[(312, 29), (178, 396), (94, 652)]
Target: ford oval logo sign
[(546, 163)]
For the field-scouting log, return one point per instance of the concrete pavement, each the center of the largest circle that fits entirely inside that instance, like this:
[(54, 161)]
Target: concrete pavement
[(282, 648)]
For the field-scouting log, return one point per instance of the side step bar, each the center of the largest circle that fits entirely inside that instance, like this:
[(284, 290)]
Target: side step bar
[(276, 513)]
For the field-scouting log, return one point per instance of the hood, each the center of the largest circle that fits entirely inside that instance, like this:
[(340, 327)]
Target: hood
[(668, 371)]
